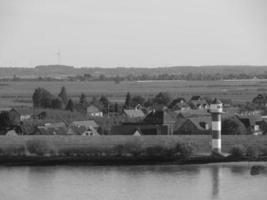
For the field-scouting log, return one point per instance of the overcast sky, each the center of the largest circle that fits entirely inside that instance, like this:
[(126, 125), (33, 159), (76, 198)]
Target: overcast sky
[(137, 33)]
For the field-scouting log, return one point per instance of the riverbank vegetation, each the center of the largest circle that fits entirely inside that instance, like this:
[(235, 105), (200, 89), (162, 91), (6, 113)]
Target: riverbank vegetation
[(118, 149)]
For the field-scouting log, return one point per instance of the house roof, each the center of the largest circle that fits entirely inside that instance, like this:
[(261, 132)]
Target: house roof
[(197, 121), (134, 113), (92, 109), (87, 124), (193, 113), (55, 125), (160, 117), (216, 101), (249, 120), (4, 109), (53, 128)]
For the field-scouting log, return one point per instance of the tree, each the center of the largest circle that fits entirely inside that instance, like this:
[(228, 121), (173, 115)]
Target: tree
[(56, 103), (83, 99), (63, 95), (128, 100), (105, 103), (117, 79), (42, 98), (4, 120), (116, 108), (162, 98), (137, 100), (70, 106), (233, 126)]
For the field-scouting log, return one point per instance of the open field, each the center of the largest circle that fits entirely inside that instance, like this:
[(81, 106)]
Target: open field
[(20, 92), (59, 144)]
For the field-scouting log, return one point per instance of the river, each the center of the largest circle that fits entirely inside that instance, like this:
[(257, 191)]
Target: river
[(213, 181)]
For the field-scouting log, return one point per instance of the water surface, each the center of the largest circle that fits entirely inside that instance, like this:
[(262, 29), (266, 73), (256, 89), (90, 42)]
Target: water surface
[(214, 181)]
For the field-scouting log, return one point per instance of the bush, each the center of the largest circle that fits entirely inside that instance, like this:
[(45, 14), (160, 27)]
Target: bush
[(184, 150), (253, 153), (238, 151), (134, 148), (154, 151), (263, 150), (40, 148), (13, 150)]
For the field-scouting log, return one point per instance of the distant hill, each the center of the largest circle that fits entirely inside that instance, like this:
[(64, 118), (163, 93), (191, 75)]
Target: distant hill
[(65, 70), (54, 67)]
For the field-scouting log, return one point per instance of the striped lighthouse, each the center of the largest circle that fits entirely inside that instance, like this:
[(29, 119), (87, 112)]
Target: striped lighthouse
[(216, 110)]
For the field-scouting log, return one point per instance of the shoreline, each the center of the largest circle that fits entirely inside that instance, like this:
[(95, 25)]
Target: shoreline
[(114, 161)]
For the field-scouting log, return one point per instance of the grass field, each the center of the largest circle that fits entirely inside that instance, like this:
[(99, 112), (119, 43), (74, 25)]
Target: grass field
[(201, 144), (19, 93)]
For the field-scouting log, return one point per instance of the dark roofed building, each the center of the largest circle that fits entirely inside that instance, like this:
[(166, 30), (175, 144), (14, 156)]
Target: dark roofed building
[(89, 127), (252, 123), (143, 129), (196, 102), (260, 100), (195, 126), (162, 117)]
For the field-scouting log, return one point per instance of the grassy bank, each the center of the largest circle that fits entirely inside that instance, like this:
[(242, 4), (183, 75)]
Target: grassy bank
[(108, 149)]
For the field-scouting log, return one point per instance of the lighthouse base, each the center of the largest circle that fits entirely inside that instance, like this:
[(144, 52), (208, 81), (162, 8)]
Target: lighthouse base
[(218, 153)]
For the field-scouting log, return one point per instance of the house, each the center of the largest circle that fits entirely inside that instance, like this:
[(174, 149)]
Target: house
[(197, 102), (25, 112), (263, 126), (133, 113), (194, 126), (226, 103), (58, 128), (260, 100), (94, 111), (179, 104), (252, 123), (161, 117), (137, 132), (88, 127)]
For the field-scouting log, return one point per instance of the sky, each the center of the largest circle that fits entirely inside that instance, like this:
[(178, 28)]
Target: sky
[(133, 33)]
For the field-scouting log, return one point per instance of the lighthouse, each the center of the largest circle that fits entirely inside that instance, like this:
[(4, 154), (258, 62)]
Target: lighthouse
[(216, 110)]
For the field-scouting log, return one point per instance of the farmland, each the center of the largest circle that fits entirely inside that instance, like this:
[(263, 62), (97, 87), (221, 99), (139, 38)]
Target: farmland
[(16, 93)]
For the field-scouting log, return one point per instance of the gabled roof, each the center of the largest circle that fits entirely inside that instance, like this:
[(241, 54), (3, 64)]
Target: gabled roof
[(216, 101), (137, 132), (134, 113), (200, 121), (87, 124), (249, 120), (193, 113)]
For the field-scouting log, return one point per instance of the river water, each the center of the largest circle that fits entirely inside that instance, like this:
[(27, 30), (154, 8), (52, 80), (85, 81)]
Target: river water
[(212, 181)]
